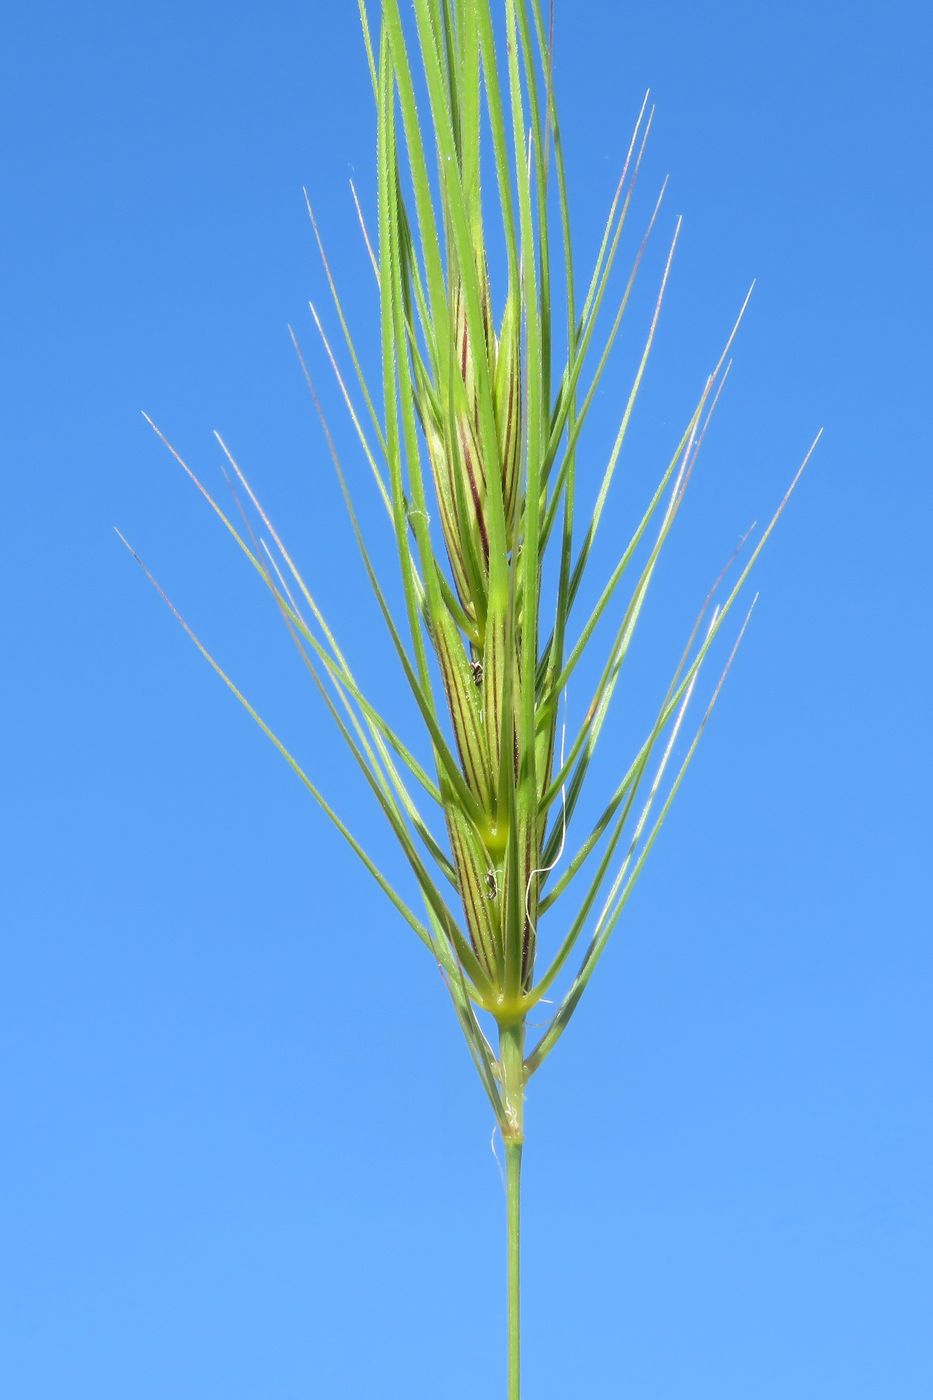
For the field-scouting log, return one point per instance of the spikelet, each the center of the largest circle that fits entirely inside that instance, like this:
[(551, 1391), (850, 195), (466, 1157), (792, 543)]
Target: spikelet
[(450, 417)]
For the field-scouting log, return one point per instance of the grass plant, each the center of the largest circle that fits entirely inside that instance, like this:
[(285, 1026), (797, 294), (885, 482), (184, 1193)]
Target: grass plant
[(473, 442)]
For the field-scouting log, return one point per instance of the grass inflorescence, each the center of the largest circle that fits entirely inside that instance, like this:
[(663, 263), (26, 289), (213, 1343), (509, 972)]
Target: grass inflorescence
[(472, 439)]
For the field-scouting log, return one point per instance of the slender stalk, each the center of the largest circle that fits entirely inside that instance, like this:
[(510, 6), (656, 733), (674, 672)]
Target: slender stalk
[(512, 1069), (513, 1168)]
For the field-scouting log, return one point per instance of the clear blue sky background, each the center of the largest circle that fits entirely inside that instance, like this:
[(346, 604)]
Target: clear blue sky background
[(244, 1154)]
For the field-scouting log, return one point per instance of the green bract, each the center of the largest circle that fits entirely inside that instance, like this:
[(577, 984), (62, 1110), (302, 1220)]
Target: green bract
[(474, 453)]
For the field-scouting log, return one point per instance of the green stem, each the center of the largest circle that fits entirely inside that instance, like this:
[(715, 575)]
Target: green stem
[(512, 1068), (513, 1167)]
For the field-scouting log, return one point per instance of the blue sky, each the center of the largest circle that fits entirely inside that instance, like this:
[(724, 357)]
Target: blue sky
[(245, 1154)]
